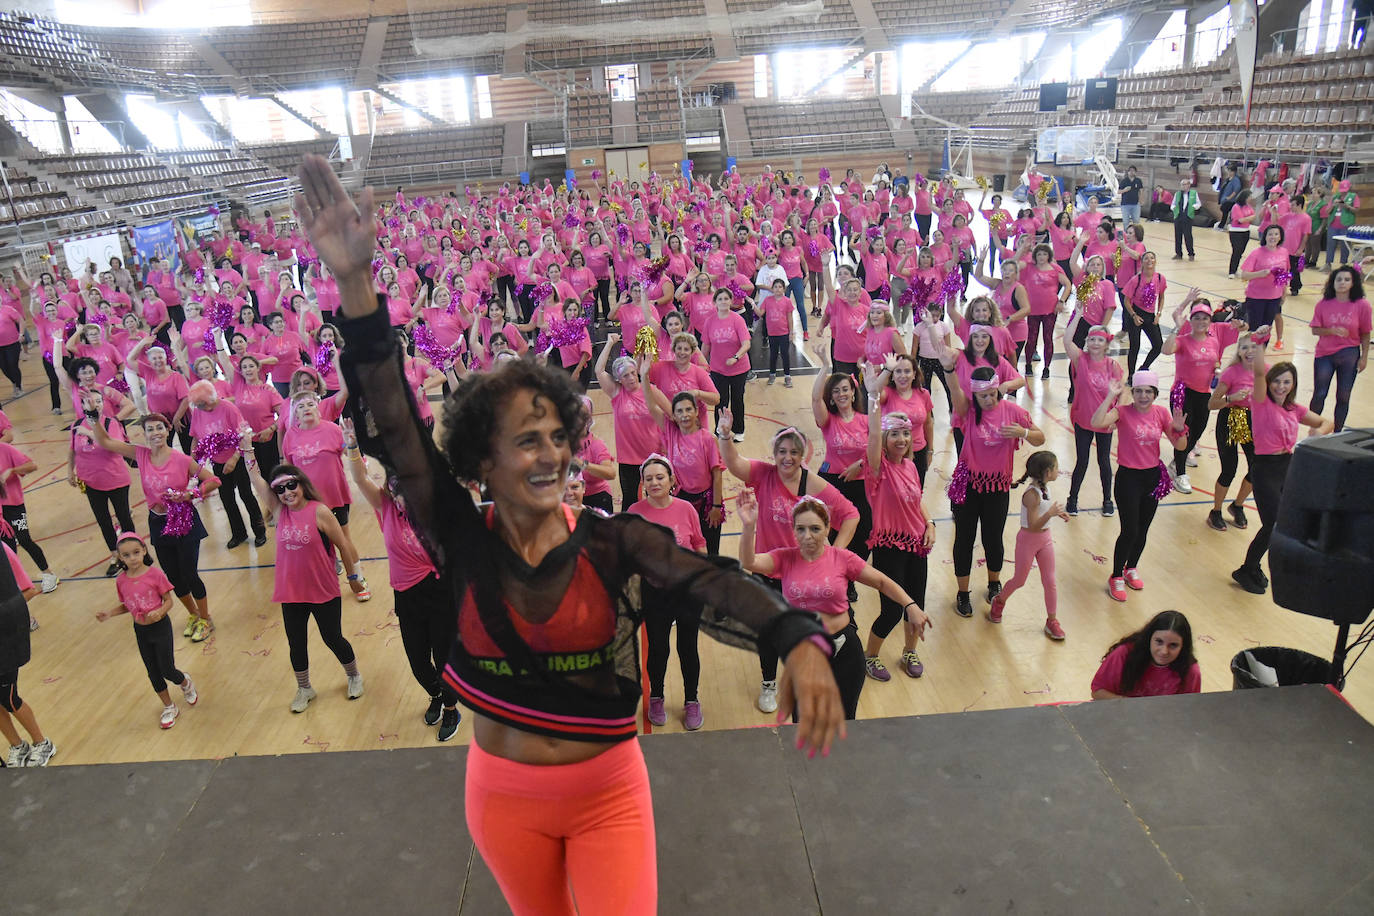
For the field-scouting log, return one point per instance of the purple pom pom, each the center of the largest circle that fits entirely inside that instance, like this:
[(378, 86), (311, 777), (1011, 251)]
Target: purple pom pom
[(622, 234), (180, 517), (813, 249), (1166, 483), (208, 446), (571, 221), (873, 232), (952, 287), (958, 484), (562, 334), (823, 174), (1176, 395), (200, 275), (428, 346), (120, 385), (324, 357)]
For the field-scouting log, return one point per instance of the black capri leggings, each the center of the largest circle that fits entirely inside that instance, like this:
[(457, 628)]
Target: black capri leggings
[(1228, 451), (1195, 414), (9, 364), (1149, 326), (847, 665), (629, 485), (1083, 440), (988, 510), (1135, 507), (661, 610), (702, 502), (18, 520), (428, 629), (930, 370), (102, 502), (1267, 474), (328, 617), (179, 556), (53, 387), (155, 648), (853, 490), (907, 569), (731, 391), (9, 691)]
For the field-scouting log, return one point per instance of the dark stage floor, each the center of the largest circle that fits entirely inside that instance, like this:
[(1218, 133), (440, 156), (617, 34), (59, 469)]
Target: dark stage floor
[(1252, 802)]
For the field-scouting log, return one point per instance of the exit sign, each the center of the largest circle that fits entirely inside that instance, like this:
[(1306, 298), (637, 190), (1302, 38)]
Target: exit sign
[(589, 162)]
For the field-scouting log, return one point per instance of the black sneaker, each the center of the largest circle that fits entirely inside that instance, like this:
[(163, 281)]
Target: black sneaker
[(1247, 580), (1108, 508), (994, 589), (449, 726), (1215, 521), (1072, 506), (432, 711), (963, 606), (1261, 577), (260, 538), (1045, 373), (1238, 516), (114, 569), (237, 540)]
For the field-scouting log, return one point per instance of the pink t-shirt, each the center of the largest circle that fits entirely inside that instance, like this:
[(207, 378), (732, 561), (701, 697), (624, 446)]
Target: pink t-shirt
[(318, 452), (224, 417), (846, 324), (1001, 338), (259, 404), (1195, 362), (165, 393), (97, 468), (305, 565), (1237, 378), (1005, 297), (1154, 681), (1275, 428), (636, 433), (286, 350), (142, 594), (668, 379), (1093, 379), (1265, 259), (723, 338), (894, 492), (1140, 297), (21, 578), (1042, 288), (1239, 212), (1139, 432), (987, 452), (963, 369), (594, 451), (879, 343), (173, 474), (1333, 313), (679, 517), (1103, 297), (777, 315), (695, 457), (846, 441), (11, 457), (776, 502), (917, 406), (818, 585), (1297, 226), (407, 561)]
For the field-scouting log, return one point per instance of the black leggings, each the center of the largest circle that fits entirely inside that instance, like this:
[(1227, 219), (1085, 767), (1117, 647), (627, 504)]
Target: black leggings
[(9, 691), (9, 364), (908, 570), (606, 504), (779, 345), (1040, 328), (629, 485), (1238, 242), (233, 484), (428, 629), (505, 290), (1195, 414), (179, 556), (1149, 326), (603, 298), (18, 521), (931, 369), (853, 490), (102, 502), (702, 503), (1228, 451), (1083, 440), (155, 647), (328, 617), (847, 666), (54, 388), (661, 611), (731, 391), (988, 510), (1080, 337), (1267, 474), (1341, 365), (1135, 507)]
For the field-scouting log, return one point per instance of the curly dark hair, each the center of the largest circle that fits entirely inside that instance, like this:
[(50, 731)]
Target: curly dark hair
[(472, 414), (1138, 658)]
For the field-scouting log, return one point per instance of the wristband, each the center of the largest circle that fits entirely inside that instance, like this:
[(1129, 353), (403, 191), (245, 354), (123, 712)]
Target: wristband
[(353, 577)]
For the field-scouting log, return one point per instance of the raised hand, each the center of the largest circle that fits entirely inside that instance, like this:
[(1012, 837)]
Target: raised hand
[(344, 233), (727, 421), (747, 507)]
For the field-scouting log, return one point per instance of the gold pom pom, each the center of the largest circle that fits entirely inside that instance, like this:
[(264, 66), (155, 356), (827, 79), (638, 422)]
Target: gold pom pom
[(646, 343), (1087, 287), (1238, 426), (982, 182)]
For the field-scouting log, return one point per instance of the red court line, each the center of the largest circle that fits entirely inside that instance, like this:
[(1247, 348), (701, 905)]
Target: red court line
[(34, 480), (59, 534)]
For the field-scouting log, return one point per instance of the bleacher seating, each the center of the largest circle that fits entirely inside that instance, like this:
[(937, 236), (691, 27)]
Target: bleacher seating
[(31, 198), (620, 42), (399, 60), (836, 26), (227, 169), (293, 55), (34, 50), (902, 19), (124, 179), (589, 118), (286, 157), (959, 107), (658, 114), (162, 56), (809, 127), (433, 154)]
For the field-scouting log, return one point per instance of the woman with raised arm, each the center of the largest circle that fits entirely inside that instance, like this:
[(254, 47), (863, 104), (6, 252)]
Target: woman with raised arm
[(697, 469), (834, 398), (557, 795), (1095, 371), (636, 432)]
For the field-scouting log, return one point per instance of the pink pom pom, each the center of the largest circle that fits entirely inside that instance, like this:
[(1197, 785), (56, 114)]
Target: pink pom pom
[(958, 484), (823, 174), (563, 334), (542, 291), (873, 232), (1166, 483), (1282, 276), (1302, 263), (324, 357), (200, 275), (214, 210), (120, 385), (428, 346), (180, 516), (207, 447), (1176, 395), (813, 249), (952, 287)]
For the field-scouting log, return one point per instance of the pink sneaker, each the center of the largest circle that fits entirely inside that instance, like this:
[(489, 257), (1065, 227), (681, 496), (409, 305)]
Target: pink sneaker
[(995, 611), (1133, 579), (658, 715), (1116, 587), (691, 715), (1053, 630)]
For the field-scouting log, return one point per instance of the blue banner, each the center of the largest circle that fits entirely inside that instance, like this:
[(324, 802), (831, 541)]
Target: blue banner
[(156, 241), (195, 228)]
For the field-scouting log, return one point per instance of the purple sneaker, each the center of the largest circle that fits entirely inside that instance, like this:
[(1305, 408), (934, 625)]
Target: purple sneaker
[(911, 664), (657, 714), (876, 669), (691, 715)]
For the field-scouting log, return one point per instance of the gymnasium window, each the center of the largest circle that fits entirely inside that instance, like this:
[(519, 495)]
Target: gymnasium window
[(795, 72), (921, 60), (256, 120), (1213, 36), (991, 64), (164, 128), (760, 76), (34, 122), (323, 106), (622, 81), (445, 97), (88, 134), (1092, 49), (153, 14), (483, 85), (1166, 51)]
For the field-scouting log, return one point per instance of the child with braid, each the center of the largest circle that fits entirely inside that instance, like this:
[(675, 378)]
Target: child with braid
[(1033, 541)]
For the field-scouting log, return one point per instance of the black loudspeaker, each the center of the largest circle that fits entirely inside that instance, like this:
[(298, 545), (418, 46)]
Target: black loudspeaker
[(1053, 96), (1099, 94), (1321, 559)]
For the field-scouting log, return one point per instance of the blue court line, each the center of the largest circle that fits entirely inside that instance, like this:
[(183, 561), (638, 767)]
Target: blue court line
[(215, 569)]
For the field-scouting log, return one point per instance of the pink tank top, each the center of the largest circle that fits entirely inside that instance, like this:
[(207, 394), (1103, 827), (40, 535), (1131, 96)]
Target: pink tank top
[(407, 561), (305, 563)]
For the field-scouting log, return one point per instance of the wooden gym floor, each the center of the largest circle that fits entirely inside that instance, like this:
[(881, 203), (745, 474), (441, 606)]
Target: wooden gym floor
[(91, 695)]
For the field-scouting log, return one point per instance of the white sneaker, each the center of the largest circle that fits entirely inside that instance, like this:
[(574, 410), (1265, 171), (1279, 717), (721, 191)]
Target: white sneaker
[(188, 690), (739, 437), (1182, 484), (338, 566), (41, 753), (50, 582), (1190, 461), (169, 716), (303, 697), (19, 754), (768, 696), (355, 686)]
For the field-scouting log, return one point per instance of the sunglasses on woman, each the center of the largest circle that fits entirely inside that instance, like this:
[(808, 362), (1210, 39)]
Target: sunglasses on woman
[(280, 488)]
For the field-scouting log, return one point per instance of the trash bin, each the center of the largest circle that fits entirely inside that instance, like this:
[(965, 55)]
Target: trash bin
[(999, 182), (1291, 666)]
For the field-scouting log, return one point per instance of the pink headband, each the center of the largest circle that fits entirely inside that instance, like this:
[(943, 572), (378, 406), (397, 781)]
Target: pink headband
[(979, 329), (662, 459), (896, 420), (782, 433), (1100, 331), (980, 384), (1145, 379), (283, 478), (130, 535)]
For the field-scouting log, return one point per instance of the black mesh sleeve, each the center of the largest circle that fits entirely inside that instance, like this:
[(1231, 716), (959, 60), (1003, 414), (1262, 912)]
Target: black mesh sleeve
[(388, 425)]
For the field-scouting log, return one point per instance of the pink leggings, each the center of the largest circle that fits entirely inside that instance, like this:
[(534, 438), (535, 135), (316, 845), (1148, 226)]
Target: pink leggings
[(1037, 546), (550, 834)]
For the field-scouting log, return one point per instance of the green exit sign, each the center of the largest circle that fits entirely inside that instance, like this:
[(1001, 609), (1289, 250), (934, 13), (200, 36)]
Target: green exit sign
[(589, 162)]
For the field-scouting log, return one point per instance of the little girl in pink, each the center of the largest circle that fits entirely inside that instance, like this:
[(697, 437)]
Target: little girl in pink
[(1034, 543)]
